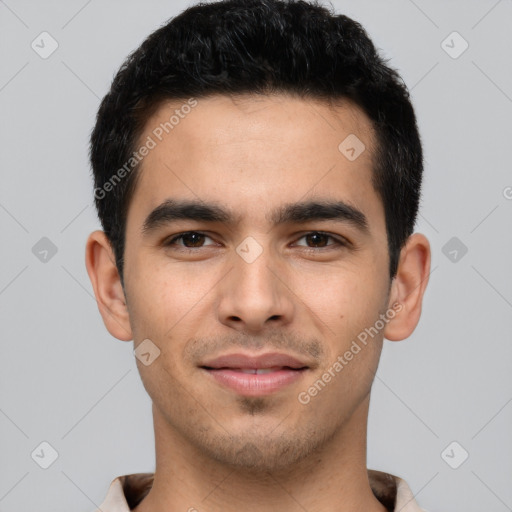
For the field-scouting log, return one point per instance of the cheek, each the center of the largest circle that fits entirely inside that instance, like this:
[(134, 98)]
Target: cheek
[(344, 299), (166, 389), (348, 304), (164, 295)]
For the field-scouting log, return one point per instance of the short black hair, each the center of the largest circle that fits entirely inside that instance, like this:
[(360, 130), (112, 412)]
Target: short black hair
[(234, 47)]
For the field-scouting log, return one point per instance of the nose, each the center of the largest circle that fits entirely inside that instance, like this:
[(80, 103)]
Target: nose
[(254, 295)]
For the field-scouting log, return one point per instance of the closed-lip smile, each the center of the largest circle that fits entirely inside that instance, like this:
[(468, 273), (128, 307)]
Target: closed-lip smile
[(255, 375)]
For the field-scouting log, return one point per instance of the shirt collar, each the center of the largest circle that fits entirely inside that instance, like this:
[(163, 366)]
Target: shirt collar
[(127, 491)]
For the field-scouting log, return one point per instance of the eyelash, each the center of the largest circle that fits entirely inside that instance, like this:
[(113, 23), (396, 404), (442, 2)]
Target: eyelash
[(337, 241)]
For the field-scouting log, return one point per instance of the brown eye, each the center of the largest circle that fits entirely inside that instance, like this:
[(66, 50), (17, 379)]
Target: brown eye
[(319, 240), (190, 239)]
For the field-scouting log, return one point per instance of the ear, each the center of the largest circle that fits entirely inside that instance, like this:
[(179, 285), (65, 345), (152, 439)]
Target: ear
[(102, 270), (408, 287)]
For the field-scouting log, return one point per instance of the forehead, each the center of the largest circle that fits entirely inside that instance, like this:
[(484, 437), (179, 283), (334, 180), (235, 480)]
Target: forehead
[(250, 152)]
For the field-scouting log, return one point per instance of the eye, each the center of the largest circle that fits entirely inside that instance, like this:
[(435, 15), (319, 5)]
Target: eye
[(320, 238), (195, 240), (190, 239)]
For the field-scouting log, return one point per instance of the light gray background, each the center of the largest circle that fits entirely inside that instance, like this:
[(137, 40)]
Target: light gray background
[(66, 381)]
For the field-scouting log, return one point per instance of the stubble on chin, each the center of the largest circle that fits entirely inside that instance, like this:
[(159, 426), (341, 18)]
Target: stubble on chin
[(257, 454), (253, 405)]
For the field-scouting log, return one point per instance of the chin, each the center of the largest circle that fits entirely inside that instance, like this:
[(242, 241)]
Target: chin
[(262, 453)]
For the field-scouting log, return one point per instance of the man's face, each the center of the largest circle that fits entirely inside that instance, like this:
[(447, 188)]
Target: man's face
[(255, 287)]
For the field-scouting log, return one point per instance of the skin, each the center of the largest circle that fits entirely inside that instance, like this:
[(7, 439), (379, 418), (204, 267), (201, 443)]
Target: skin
[(215, 449)]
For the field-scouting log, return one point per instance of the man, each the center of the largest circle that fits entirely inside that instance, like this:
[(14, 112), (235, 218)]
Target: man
[(257, 170)]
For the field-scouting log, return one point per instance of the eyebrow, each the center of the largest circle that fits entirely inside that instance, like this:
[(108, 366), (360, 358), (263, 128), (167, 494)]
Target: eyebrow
[(172, 210)]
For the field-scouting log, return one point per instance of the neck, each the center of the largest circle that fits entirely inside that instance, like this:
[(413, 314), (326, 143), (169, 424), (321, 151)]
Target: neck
[(333, 479)]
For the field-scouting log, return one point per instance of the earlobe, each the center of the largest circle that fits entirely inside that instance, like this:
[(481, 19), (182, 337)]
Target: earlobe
[(408, 287), (104, 276)]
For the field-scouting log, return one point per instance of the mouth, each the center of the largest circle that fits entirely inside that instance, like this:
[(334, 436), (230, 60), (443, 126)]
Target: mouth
[(255, 375)]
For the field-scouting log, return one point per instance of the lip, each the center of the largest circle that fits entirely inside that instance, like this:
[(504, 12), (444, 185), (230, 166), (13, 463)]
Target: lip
[(247, 361), (227, 371)]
